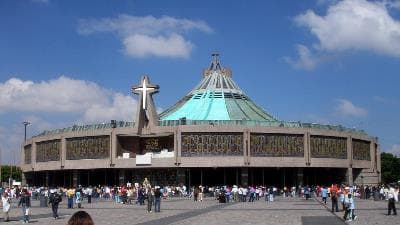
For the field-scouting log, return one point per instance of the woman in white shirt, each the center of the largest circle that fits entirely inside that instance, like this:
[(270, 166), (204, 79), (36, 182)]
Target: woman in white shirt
[(6, 205)]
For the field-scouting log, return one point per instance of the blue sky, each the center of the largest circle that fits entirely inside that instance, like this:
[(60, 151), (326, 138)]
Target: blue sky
[(74, 62)]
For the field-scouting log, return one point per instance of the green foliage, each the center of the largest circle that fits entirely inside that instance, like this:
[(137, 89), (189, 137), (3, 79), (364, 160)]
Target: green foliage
[(390, 168), (6, 172)]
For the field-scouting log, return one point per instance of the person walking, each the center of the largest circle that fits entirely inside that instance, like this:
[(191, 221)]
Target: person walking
[(307, 192), (54, 200), (157, 200), (79, 198), (70, 197), (5, 199), (324, 194), (334, 199), (352, 215), (392, 197), (201, 191), (150, 199), (25, 203), (89, 192)]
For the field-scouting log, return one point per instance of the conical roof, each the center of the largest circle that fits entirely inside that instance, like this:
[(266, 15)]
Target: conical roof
[(216, 97)]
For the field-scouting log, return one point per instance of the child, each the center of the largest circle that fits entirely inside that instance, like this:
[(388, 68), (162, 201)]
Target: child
[(6, 206), (352, 215)]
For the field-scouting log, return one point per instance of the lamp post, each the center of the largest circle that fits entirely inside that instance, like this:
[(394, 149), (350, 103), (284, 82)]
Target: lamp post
[(25, 123)]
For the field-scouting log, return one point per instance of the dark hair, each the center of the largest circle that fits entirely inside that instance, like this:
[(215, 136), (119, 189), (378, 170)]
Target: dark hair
[(80, 218)]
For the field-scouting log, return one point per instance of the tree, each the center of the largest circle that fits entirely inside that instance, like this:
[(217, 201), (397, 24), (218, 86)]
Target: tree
[(6, 172), (390, 168)]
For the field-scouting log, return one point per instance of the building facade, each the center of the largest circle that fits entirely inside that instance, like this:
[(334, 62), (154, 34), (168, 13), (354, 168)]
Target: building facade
[(214, 135)]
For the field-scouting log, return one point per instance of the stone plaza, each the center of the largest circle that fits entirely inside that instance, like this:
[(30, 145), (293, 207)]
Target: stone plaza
[(291, 211)]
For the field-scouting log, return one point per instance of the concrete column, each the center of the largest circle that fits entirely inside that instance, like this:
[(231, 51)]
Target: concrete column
[(189, 179), (378, 163), (245, 176), (180, 176), (121, 177), (113, 147), (224, 175), (75, 178), (88, 177), (201, 176), (63, 151), (178, 146), (237, 176), (349, 176), (307, 153), (246, 147), (33, 156), (46, 179), (372, 155), (300, 176)]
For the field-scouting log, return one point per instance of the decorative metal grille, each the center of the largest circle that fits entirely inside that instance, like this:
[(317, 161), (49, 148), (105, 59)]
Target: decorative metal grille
[(328, 147), (277, 145), (48, 151), (96, 147), (211, 144), (361, 150)]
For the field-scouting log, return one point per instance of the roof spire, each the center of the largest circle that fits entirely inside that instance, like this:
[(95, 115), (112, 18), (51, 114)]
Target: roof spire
[(215, 65)]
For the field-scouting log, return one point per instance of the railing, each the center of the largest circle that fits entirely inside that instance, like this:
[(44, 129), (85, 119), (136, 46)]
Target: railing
[(78, 128), (258, 123), (119, 124)]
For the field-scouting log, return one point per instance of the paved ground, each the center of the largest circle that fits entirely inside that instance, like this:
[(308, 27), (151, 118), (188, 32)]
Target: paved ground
[(290, 211)]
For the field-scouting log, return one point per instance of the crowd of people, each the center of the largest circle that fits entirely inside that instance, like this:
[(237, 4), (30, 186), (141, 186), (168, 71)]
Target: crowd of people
[(144, 194)]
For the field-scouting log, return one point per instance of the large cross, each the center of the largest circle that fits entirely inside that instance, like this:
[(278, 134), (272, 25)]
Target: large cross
[(145, 88)]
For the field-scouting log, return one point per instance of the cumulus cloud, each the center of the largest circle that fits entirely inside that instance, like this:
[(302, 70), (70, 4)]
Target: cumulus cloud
[(148, 36), (395, 149), (52, 104), (66, 95), (345, 107), (122, 108), (305, 60), (354, 25)]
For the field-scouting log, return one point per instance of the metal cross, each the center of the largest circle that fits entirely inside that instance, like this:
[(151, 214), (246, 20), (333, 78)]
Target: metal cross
[(145, 88)]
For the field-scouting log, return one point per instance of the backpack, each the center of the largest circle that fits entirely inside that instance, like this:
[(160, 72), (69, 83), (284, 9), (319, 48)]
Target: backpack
[(58, 198)]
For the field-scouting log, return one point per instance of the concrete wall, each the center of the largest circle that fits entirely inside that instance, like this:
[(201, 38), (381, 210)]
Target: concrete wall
[(370, 169)]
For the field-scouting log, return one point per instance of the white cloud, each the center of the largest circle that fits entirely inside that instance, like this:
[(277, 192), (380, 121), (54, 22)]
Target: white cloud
[(347, 108), (148, 36), (122, 108), (395, 149), (139, 45), (60, 95), (306, 60), (355, 25), (65, 95), (53, 104)]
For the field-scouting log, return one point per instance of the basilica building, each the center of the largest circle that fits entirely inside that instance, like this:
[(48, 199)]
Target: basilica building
[(214, 135)]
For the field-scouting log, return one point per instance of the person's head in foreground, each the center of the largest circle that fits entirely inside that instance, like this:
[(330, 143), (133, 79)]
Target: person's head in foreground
[(80, 218)]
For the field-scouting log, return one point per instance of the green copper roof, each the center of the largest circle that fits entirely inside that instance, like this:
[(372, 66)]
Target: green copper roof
[(216, 97)]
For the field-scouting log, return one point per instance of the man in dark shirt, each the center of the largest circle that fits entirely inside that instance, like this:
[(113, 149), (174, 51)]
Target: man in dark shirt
[(54, 200), (157, 199), (25, 202)]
